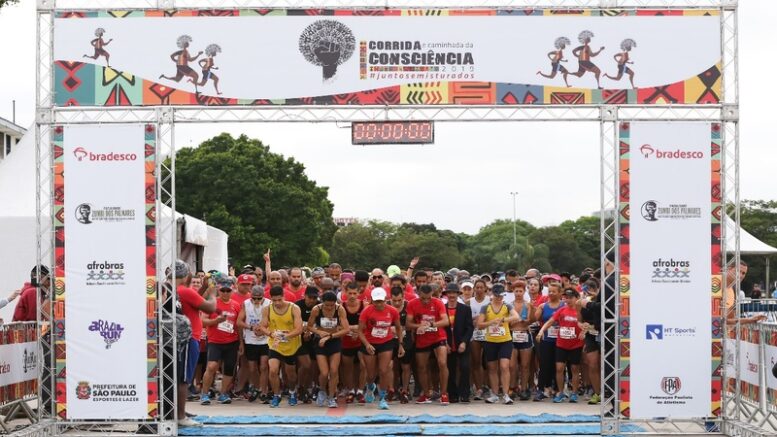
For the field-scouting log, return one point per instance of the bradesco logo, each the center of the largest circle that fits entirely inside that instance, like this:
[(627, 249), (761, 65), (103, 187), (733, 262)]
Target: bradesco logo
[(82, 154), (652, 152)]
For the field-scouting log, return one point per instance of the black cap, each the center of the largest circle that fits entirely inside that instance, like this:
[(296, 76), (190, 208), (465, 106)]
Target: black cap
[(361, 276), (498, 290), (571, 292), (452, 288), (311, 291)]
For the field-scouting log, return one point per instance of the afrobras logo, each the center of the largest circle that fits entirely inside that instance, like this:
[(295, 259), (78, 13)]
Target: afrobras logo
[(671, 385), (327, 44), (653, 211), (671, 271), (105, 273), (87, 214), (109, 331), (82, 154), (660, 332), (651, 152)]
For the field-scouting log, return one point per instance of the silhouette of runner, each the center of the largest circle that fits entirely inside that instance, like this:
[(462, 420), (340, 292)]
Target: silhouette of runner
[(584, 55), (182, 59), (556, 58), (207, 65), (622, 59), (99, 46)]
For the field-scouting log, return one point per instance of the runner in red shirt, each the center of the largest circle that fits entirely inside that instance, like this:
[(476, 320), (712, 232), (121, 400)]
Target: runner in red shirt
[(426, 316), (223, 342), (296, 287), (569, 344), (378, 342), (244, 284)]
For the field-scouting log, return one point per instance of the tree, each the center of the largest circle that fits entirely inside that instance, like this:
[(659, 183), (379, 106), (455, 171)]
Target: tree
[(492, 247), (362, 245), (8, 3), (564, 254), (587, 233), (759, 217), (261, 199)]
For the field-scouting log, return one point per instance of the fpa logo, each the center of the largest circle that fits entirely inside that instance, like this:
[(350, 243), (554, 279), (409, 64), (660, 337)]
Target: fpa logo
[(671, 385)]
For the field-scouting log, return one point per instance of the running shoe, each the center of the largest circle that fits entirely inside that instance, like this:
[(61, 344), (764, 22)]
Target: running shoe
[(492, 399), (391, 395), (507, 400), (383, 404), (403, 399), (539, 396), (292, 399), (265, 398), (188, 423), (580, 391), (559, 398), (204, 399), (423, 400), (478, 395), (525, 395), (444, 399), (303, 396), (360, 398), (332, 403), (224, 399), (369, 394), (276, 401), (253, 395), (595, 399), (320, 398), (435, 395), (573, 398), (349, 398), (464, 399)]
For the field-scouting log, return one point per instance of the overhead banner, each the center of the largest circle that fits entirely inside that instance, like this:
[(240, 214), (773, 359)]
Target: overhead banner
[(670, 270), (105, 330), (387, 57)]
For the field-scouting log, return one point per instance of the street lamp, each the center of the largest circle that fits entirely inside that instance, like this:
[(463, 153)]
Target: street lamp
[(515, 238)]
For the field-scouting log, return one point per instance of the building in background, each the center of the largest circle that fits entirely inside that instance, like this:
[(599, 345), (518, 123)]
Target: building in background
[(342, 222), (10, 135)]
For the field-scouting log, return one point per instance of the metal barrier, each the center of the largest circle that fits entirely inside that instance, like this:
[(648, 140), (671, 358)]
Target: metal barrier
[(19, 370)]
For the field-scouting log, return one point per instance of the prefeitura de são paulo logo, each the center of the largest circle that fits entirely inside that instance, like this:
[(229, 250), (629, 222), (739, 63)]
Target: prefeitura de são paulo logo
[(327, 43)]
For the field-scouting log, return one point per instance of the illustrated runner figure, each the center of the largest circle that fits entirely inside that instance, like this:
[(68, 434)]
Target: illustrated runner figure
[(182, 59), (584, 55), (622, 59), (207, 65), (556, 58), (99, 46)]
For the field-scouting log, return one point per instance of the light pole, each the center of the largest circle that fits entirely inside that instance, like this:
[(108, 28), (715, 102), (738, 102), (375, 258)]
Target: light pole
[(515, 238)]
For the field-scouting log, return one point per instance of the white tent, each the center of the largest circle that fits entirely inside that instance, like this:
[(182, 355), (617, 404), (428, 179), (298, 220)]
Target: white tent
[(18, 230), (749, 245)]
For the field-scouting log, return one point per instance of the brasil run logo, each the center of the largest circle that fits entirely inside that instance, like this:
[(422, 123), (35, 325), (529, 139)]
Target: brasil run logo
[(109, 331)]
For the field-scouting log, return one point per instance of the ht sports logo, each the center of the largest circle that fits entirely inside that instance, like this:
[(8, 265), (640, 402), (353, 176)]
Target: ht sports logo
[(82, 154), (659, 331), (650, 152)]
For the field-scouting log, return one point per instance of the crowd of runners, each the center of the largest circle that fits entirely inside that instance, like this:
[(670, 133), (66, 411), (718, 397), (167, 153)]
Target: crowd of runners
[(331, 336)]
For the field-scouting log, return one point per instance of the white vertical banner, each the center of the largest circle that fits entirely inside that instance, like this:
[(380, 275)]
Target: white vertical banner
[(105, 272), (670, 268)]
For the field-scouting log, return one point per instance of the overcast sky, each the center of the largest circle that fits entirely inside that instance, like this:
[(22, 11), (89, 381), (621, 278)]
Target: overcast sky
[(464, 180)]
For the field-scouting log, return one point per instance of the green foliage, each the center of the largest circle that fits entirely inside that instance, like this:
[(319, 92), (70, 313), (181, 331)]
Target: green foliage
[(759, 217), (8, 2), (261, 199)]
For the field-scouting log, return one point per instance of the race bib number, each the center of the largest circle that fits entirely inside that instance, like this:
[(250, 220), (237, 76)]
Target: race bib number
[(430, 319), (553, 332), (282, 336), (479, 335), (328, 323), (496, 331), (520, 337), (380, 332), (226, 326), (567, 333)]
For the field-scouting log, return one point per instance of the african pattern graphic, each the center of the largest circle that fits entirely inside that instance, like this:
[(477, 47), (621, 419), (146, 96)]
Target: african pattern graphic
[(192, 75)]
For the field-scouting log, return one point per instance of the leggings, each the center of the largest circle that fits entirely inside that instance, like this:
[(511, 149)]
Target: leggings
[(547, 352)]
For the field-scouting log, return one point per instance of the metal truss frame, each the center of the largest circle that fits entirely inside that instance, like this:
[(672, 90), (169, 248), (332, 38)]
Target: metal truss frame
[(735, 412)]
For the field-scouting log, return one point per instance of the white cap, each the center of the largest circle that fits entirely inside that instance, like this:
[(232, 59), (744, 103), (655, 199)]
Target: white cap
[(467, 284), (378, 294)]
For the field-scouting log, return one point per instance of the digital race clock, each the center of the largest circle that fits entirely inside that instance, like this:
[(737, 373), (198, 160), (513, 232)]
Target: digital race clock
[(392, 132)]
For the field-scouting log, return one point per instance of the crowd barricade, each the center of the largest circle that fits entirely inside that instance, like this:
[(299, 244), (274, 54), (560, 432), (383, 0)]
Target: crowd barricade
[(19, 370), (757, 356)]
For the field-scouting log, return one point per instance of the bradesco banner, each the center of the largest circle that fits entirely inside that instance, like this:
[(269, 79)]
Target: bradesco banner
[(104, 281), (669, 270), (387, 57)]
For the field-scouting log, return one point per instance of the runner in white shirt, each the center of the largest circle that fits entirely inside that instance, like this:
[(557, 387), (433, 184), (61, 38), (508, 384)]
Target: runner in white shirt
[(477, 302), (255, 343)]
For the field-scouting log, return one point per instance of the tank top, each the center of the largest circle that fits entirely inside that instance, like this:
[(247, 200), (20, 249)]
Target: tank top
[(353, 320), (328, 324), (254, 318), (501, 333), (551, 334), (283, 323)]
